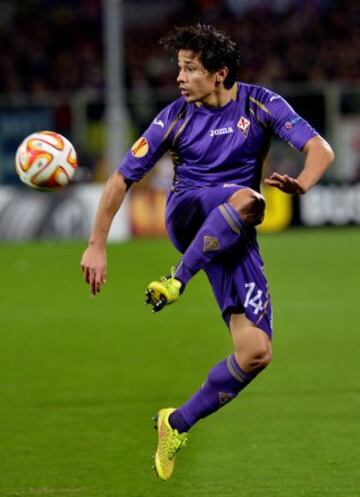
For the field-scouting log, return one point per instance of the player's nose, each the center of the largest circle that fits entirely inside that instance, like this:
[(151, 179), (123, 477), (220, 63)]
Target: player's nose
[(181, 77)]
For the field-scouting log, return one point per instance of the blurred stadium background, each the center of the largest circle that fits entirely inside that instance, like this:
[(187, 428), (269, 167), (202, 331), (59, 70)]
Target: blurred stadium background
[(80, 379), (55, 76)]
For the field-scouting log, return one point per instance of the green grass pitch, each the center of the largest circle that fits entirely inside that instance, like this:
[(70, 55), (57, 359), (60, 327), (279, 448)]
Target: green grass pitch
[(80, 377)]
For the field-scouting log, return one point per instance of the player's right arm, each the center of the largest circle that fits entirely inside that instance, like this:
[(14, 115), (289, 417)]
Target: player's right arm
[(94, 259), (137, 162)]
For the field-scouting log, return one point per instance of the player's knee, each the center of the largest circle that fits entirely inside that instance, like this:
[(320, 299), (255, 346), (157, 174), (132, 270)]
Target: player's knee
[(259, 361), (249, 204), (262, 358), (256, 358)]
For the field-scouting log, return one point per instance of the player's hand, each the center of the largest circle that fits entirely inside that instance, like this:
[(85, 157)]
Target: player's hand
[(284, 183), (94, 267)]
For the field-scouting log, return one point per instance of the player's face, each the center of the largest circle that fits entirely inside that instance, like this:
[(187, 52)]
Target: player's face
[(196, 83)]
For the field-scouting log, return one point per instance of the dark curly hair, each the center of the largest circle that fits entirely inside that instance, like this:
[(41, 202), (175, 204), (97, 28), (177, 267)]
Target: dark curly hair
[(215, 48)]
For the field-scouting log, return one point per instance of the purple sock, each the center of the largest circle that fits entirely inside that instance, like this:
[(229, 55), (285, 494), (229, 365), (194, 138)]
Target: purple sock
[(222, 228), (223, 384)]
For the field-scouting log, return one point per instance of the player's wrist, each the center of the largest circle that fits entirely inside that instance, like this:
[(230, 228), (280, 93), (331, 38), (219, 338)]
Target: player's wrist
[(99, 244), (302, 187)]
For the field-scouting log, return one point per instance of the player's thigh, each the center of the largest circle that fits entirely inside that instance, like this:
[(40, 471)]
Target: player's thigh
[(184, 216), (187, 210)]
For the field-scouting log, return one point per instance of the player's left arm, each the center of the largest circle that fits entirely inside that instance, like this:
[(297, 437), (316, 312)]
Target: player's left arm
[(287, 124), (319, 156)]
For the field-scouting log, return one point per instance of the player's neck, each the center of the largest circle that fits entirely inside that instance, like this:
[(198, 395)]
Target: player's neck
[(220, 97)]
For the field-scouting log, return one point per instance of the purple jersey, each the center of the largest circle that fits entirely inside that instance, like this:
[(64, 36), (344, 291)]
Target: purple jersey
[(214, 146)]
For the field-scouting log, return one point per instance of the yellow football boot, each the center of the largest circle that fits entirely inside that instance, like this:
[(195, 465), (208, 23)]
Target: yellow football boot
[(170, 442), (163, 292)]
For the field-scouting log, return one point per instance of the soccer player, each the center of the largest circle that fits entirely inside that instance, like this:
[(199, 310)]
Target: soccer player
[(218, 133)]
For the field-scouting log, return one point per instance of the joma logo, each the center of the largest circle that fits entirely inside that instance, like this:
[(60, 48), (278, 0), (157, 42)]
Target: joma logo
[(221, 131)]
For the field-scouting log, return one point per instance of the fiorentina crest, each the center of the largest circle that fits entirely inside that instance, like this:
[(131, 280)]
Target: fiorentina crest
[(211, 243), (225, 398), (244, 125)]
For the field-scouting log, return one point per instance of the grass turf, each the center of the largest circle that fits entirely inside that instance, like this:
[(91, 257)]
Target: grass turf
[(81, 377)]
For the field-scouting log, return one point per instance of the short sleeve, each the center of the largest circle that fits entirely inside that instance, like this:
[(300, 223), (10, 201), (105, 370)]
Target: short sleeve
[(151, 146), (284, 121)]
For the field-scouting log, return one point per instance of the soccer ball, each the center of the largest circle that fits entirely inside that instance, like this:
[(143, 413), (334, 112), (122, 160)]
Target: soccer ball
[(46, 160)]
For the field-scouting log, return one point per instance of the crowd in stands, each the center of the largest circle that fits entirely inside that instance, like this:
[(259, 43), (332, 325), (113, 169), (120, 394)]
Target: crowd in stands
[(50, 45), (56, 45)]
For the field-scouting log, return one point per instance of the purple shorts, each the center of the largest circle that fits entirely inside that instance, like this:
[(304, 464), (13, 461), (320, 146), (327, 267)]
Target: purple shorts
[(236, 276)]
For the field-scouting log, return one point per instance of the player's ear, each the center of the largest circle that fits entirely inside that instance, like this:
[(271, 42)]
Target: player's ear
[(221, 74)]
